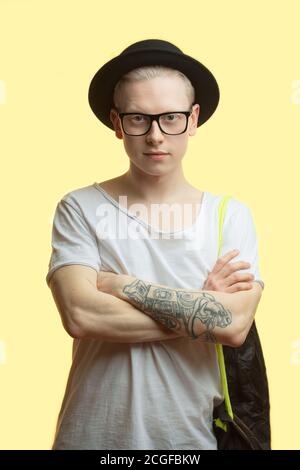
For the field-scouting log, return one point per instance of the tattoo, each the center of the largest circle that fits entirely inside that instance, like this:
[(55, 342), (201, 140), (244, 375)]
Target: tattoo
[(176, 308)]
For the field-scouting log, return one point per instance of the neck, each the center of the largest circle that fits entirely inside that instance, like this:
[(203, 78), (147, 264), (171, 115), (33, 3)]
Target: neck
[(155, 188)]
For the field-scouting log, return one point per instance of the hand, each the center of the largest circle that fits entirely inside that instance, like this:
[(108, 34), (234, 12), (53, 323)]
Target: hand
[(223, 277)]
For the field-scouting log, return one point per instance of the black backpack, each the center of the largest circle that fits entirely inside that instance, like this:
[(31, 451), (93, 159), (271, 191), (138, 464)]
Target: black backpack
[(242, 421)]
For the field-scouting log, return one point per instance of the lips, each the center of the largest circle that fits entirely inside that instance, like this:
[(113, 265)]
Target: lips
[(157, 156), (156, 153)]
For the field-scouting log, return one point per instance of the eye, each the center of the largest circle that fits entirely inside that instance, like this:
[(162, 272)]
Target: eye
[(137, 117), (172, 117)]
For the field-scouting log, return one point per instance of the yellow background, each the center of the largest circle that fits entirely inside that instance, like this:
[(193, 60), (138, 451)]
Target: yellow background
[(52, 143)]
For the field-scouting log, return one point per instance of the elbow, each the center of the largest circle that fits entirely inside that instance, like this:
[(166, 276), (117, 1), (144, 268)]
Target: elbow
[(84, 326), (74, 325), (244, 319), (75, 332), (240, 331), (237, 340)]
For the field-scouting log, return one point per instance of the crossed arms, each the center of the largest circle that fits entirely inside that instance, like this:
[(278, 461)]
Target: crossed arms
[(209, 316), (129, 309)]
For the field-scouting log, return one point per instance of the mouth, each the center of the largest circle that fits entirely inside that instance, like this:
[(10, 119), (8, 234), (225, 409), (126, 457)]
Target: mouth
[(156, 156)]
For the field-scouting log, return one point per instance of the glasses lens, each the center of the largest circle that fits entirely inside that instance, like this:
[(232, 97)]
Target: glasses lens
[(137, 124), (173, 123)]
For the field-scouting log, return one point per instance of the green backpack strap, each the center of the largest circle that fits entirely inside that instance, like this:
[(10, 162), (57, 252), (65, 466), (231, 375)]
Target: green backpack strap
[(219, 347)]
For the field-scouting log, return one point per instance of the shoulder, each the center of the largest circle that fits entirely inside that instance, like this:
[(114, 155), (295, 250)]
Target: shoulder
[(234, 208), (82, 199), (79, 193)]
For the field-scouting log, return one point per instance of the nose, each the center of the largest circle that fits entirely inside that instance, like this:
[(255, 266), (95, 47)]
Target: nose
[(154, 133)]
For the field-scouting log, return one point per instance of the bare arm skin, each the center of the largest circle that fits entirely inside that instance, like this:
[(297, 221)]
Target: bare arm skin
[(208, 315), (89, 313), (74, 289)]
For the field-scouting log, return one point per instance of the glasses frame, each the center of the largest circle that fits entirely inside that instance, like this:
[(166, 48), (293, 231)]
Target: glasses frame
[(155, 117)]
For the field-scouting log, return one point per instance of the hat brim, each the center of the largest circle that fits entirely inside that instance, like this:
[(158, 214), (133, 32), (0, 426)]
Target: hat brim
[(100, 94)]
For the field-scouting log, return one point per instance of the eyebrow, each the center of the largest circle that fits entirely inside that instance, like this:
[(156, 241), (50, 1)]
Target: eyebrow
[(134, 111), (143, 112)]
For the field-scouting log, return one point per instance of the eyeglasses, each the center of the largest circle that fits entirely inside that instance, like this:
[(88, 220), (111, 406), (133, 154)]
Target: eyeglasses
[(171, 123)]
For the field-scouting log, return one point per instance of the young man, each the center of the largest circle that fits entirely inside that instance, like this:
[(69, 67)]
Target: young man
[(144, 299)]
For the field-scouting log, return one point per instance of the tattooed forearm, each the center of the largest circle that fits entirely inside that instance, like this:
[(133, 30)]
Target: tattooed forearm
[(178, 309)]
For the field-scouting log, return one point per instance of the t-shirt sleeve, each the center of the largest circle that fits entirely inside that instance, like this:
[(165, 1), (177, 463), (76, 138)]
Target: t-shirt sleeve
[(239, 232), (72, 240)]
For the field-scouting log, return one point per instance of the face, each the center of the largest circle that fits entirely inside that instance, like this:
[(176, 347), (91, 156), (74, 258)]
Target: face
[(158, 95)]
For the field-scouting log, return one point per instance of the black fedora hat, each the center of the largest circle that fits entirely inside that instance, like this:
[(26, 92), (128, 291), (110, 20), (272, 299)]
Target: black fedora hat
[(152, 52)]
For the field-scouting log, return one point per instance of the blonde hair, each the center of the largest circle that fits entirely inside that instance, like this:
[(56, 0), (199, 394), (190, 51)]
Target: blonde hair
[(148, 72)]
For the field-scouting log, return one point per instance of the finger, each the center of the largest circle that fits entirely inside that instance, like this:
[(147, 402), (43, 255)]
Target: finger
[(238, 278), (223, 260), (238, 287), (230, 268)]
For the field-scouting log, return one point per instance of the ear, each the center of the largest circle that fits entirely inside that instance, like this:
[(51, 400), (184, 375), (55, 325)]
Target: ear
[(194, 119), (116, 123)]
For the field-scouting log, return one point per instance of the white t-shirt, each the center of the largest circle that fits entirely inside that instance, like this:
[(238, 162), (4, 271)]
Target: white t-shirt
[(151, 395)]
